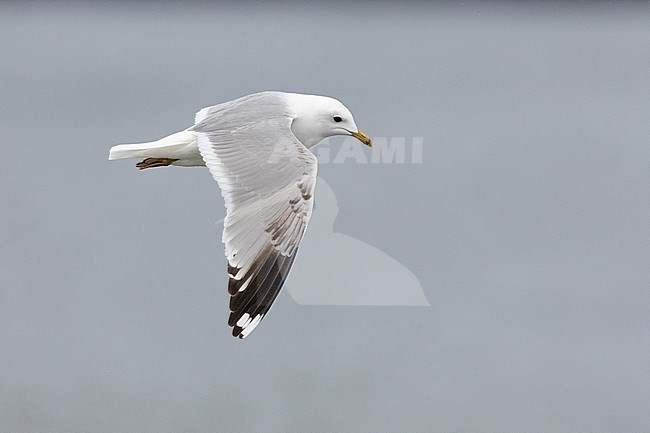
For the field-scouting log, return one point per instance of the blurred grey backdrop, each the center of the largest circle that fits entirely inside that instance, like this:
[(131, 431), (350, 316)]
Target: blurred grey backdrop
[(527, 224)]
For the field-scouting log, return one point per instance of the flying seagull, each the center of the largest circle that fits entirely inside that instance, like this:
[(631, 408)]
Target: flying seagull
[(256, 148)]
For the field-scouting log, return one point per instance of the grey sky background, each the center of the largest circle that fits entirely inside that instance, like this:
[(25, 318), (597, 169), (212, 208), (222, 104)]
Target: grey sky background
[(527, 224)]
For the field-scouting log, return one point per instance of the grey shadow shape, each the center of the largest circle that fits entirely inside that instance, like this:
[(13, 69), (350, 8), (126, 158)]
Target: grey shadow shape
[(337, 269)]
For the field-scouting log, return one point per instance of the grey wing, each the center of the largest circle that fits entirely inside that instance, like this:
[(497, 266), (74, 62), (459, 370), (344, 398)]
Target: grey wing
[(267, 178)]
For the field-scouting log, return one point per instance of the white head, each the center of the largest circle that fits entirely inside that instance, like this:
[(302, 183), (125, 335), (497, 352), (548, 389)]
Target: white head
[(319, 117)]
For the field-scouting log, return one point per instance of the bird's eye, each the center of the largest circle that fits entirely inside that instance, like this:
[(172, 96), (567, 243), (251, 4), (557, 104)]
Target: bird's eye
[(337, 119)]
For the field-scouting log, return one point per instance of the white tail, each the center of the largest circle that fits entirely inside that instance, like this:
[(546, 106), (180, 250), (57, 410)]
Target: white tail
[(178, 146)]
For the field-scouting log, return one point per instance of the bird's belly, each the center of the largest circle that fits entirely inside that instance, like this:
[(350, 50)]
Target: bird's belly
[(187, 154)]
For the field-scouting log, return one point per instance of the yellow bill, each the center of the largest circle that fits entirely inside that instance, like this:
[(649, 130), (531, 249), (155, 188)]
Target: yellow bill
[(362, 138)]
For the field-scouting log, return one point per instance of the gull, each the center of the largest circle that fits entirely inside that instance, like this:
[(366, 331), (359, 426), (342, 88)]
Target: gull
[(257, 149)]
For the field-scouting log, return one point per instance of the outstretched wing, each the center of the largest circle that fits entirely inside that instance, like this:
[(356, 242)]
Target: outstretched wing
[(267, 179)]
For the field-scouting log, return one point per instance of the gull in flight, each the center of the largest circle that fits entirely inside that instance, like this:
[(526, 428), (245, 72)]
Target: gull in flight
[(256, 148)]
